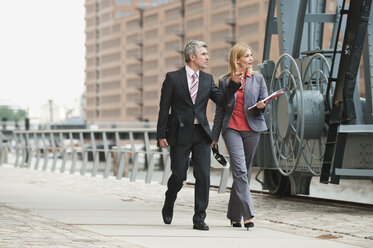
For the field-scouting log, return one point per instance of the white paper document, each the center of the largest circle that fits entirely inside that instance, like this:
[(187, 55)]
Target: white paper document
[(270, 97)]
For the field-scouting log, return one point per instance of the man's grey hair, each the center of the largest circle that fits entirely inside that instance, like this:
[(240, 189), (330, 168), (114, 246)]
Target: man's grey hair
[(191, 48)]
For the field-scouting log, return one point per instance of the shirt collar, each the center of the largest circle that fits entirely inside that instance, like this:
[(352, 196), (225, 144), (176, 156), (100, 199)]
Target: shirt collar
[(248, 74), (190, 71)]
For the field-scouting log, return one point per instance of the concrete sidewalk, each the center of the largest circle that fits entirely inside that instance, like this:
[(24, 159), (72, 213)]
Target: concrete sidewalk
[(44, 209)]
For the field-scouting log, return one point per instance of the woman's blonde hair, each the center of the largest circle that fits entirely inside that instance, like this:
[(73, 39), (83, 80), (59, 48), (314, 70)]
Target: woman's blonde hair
[(237, 51)]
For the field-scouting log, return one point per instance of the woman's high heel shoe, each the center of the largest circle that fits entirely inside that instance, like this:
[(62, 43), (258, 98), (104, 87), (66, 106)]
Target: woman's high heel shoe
[(236, 224), (249, 224)]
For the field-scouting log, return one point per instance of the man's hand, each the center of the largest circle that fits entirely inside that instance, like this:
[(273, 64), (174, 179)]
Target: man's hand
[(163, 143)]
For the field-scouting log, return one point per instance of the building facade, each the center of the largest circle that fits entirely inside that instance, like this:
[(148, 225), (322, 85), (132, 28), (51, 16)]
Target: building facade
[(130, 45)]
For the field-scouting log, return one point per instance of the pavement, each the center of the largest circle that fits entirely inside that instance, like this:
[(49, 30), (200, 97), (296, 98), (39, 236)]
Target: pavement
[(52, 209)]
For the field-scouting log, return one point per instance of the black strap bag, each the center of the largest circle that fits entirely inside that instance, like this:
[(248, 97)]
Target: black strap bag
[(220, 158), (172, 130)]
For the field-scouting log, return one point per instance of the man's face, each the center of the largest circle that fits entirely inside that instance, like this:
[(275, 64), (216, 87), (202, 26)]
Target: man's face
[(201, 59)]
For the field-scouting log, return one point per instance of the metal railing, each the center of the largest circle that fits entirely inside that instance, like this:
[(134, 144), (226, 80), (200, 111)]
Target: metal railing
[(110, 152)]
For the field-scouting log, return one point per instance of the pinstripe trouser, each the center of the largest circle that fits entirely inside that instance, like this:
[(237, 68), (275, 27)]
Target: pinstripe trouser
[(241, 146)]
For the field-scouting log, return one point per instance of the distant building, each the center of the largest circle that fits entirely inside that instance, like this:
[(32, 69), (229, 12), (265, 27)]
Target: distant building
[(51, 112), (130, 45)]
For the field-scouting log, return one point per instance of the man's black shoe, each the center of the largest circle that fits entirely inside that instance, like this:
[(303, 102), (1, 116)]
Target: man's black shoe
[(201, 226), (168, 210), (167, 213)]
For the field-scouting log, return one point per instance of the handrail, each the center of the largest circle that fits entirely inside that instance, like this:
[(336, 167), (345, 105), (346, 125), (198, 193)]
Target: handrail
[(117, 149)]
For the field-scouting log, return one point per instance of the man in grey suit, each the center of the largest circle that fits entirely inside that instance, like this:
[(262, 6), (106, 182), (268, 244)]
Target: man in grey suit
[(187, 91)]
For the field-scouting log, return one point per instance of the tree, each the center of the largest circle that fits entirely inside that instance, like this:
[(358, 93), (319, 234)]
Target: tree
[(11, 114), (20, 115)]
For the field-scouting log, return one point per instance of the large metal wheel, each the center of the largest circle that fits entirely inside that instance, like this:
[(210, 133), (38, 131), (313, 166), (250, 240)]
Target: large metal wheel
[(277, 183), (315, 79), (316, 74), (287, 118)]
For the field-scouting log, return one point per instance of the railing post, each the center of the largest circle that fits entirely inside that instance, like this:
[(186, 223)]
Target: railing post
[(149, 158), (18, 142), (134, 158), (54, 150), (107, 156), (2, 150), (45, 150), (37, 150), (73, 153), (23, 138), (95, 155), (63, 152), (121, 155), (149, 173), (167, 166), (84, 154), (29, 150)]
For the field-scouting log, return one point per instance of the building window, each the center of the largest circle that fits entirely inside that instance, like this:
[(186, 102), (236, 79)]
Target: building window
[(219, 18), (113, 85), (247, 30), (220, 53), (133, 112), (150, 80), (172, 61), (151, 111), (133, 24), (124, 2), (120, 14), (219, 36), (150, 95), (151, 20), (194, 24), (152, 34), (193, 8), (111, 113), (161, 2), (249, 11), (151, 49), (172, 14), (151, 65)]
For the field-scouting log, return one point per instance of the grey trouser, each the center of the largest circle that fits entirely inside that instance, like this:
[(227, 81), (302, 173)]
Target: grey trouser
[(241, 146)]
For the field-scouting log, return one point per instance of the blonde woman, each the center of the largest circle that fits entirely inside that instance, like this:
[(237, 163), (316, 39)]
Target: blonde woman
[(241, 129)]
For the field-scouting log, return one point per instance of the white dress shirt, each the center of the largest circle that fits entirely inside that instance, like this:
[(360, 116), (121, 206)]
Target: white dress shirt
[(190, 72)]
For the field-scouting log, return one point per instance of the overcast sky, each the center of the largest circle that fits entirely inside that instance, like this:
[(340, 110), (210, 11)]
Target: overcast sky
[(41, 52)]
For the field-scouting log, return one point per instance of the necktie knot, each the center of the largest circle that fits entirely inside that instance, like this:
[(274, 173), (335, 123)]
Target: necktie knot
[(194, 76)]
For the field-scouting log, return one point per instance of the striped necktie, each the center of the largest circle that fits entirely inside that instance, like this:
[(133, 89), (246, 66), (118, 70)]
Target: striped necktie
[(194, 87)]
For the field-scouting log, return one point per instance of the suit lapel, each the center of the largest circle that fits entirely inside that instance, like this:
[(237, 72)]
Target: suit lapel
[(201, 85), (250, 92), (184, 81)]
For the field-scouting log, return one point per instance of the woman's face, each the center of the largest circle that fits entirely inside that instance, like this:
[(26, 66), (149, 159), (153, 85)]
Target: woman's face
[(246, 60)]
